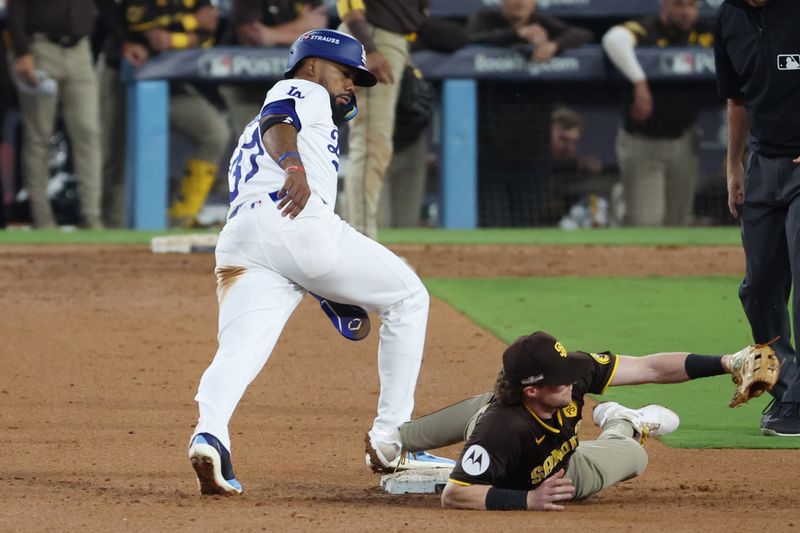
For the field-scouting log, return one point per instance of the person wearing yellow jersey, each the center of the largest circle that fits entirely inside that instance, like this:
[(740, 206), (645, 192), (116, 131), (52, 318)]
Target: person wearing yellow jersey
[(195, 110)]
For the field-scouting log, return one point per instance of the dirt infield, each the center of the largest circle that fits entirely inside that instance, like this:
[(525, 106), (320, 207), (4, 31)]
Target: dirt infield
[(103, 347)]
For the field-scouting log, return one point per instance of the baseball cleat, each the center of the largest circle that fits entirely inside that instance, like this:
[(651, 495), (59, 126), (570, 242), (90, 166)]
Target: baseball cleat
[(785, 422), (424, 459), (652, 420), (377, 458), (381, 457), (212, 463)]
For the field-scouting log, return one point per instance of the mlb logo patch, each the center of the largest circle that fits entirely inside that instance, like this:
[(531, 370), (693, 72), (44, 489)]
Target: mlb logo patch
[(788, 61)]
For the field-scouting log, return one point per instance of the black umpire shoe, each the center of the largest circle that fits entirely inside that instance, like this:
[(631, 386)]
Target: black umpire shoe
[(772, 410), (786, 423)]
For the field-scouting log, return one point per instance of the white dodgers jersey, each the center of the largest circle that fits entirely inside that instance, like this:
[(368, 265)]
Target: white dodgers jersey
[(253, 175)]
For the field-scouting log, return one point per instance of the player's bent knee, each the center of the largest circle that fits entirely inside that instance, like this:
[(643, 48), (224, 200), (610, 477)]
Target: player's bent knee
[(637, 457)]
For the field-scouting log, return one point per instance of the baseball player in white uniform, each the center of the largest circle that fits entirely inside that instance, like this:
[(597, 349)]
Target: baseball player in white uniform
[(282, 239)]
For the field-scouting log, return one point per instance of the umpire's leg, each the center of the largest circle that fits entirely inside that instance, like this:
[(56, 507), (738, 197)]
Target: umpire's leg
[(792, 192), (764, 292), (615, 456)]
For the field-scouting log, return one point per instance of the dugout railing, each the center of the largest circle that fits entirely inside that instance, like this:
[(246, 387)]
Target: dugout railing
[(459, 74)]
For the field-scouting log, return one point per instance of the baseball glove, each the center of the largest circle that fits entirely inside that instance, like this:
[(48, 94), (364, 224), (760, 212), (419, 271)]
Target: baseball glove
[(754, 369)]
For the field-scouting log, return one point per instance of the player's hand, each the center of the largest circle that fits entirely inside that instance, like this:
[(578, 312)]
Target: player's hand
[(642, 106), (135, 53), (796, 160), (590, 164), (207, 18), (736, 187), (25, 67), (545, 51), (533, 34), (295, 192), (380, 67), (557, 488), (159, 39)]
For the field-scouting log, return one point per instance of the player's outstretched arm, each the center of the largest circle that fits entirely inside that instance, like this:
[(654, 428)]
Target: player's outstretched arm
[(557, 488), (669, 367)]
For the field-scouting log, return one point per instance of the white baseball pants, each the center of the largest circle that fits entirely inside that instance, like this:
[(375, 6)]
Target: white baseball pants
[(281, 259)]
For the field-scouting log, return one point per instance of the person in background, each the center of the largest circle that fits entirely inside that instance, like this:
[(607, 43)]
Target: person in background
[(515, 188), (517, 22), (657, 142), (53, 70), (113, 119), (566, 130), (757, 53), (196, 111), (6, 95), (265, 23), (385, 28)]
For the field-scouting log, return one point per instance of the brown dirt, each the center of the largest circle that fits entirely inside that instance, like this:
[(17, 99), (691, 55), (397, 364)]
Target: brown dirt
[(103, 348)]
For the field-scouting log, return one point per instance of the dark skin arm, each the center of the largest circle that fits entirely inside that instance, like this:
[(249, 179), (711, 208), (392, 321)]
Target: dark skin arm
[(294, 194)]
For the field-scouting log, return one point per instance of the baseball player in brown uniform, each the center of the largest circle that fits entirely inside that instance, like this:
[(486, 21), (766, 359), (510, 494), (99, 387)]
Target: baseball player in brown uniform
[(522, 449)]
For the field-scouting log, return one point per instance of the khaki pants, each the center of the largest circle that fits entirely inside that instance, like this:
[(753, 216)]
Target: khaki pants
[(595, 465), (113, 124), (78, 98), (244, 102), (370, 136), (400, 203), (659, 177), (205, 126)]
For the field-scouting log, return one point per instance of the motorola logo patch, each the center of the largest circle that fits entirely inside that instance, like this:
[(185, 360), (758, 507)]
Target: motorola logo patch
[(475, 460)]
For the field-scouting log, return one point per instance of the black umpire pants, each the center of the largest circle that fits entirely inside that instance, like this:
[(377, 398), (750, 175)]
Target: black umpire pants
[(770, 220)]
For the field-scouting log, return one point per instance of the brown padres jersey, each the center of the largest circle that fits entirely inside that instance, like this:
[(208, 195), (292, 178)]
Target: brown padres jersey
[(512, 448), (675, 106)]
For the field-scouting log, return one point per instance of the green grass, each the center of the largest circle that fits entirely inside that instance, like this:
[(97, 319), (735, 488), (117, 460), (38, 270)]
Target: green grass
[(631, 316), (634, 317), (727, 236), (108, 236)]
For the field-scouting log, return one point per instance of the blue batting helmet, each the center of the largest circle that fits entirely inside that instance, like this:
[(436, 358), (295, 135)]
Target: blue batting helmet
[(334, 46)]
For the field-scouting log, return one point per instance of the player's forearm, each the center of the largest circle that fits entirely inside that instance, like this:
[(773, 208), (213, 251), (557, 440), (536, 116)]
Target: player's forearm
[(738, 130), (457, 496), (356, 22), (280, 141), (668, 367), (620, 46)]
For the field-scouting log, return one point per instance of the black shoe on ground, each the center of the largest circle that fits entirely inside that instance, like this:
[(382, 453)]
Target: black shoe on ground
[(786, 423), (770, 412)]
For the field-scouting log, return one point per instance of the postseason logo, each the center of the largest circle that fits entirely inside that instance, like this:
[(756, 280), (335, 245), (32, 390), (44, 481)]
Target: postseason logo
[(788, 61)]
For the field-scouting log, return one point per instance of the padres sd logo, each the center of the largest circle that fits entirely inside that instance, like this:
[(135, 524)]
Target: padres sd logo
[(571, 410), (602, 358), (560, 349), (134, 14)]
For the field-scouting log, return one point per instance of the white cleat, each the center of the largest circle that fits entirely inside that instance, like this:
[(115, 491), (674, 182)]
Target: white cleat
[(653, 420), (385, 458)]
